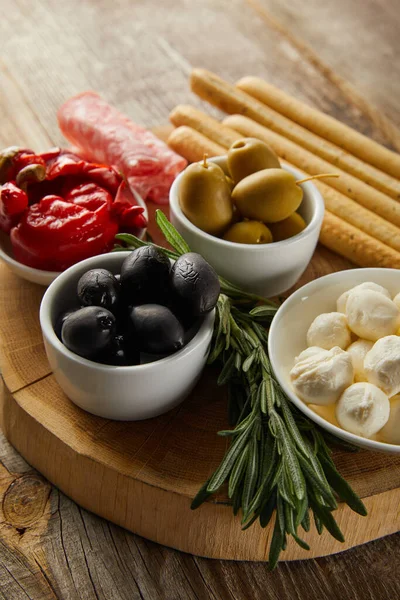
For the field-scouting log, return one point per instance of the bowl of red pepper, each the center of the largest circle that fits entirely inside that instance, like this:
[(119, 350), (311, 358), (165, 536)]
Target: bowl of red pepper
[(57, 209)]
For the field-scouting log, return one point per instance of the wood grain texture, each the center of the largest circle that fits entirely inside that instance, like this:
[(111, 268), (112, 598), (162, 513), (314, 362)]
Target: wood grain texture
[(126, 471), (338, 57)]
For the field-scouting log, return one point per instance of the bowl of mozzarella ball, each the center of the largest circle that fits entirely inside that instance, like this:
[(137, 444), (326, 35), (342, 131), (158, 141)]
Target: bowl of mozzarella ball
[(335, 349)]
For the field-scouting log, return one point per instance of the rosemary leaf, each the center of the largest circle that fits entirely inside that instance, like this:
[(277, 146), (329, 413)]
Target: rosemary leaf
[(251, 476), (318, 523), (268, 509), (218, 348), (227, 462), (249, 361), (237, 500), (327, 520), (342, 488), (262, 392), (200, 497), (291, 460), (134, 242), (170, 233), (315, 481), (237, 471), (306, 521), (300, 542), (263, 311), (276, 547), (284, 490), (227, 370), (292, 427), (302, 510)]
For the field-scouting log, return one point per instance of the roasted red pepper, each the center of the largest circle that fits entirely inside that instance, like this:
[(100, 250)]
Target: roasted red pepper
[(54, 234), (129, 215), (13, 202), (59, 208)]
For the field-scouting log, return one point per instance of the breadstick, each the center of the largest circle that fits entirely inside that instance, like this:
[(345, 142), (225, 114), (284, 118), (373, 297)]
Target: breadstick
[(335, 202), (208, 126), (355, 245), (192, 145), (323, 125), (360, 217), (229, 98), (359, 191)]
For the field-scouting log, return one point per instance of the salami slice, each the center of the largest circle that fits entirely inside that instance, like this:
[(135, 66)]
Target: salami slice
[(103, 135)]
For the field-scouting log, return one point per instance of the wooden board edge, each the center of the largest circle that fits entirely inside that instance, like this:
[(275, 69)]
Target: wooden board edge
[(165, 517)]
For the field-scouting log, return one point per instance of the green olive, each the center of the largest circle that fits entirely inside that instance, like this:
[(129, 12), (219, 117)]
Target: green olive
[(230, 182), (248, 155), (249, 232), (270, 195), (205, 197), (288, 227)]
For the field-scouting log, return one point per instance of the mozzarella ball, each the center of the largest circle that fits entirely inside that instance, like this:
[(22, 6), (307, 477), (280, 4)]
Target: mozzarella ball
[(358, 351), (320, 378), (307, 353), (363, 409), (367, 285), (390, 433), (371, 315), (382, 365), (396, 300), (329, 330)]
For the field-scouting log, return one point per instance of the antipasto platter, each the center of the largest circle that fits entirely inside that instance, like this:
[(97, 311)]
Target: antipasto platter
[(292, 387)]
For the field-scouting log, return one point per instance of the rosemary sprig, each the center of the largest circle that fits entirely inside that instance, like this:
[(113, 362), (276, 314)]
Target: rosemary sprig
[(278, 460)]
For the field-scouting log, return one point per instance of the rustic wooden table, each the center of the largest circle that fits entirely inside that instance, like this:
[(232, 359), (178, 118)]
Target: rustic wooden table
[(339, 56)]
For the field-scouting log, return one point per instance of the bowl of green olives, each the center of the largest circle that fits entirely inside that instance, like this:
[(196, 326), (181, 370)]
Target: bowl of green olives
[(255, 222), (127, 334)]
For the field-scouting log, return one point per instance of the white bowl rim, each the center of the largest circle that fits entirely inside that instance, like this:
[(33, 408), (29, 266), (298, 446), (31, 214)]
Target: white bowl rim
[(302, 406), (41, 273), (13, 262), (50, 334), (316, 220)]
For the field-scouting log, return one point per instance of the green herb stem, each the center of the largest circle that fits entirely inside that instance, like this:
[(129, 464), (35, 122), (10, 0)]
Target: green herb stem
[(278, 460)]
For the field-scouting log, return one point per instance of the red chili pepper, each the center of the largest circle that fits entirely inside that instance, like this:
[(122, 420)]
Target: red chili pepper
[(54, 234), (13, 202)]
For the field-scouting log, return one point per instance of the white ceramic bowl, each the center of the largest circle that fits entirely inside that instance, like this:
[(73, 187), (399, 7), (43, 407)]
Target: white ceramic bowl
[(37, 275), (287, 335), (264, 269), (122, 393)]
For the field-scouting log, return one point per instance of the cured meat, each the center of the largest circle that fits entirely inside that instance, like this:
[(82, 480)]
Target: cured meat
[(103, 135)]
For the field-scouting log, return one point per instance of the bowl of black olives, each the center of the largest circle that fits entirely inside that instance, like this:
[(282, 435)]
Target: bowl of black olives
[(127, 334)]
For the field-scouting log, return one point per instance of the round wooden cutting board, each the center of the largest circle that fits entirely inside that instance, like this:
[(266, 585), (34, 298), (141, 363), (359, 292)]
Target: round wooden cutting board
[(143, 475)]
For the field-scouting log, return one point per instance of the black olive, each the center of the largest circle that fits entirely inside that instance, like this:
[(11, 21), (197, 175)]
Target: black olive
[(156, 329), (88, 331), (60, 322), (145, 276), (182, 311), (196, 283), (99, 287), (120, 352)]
